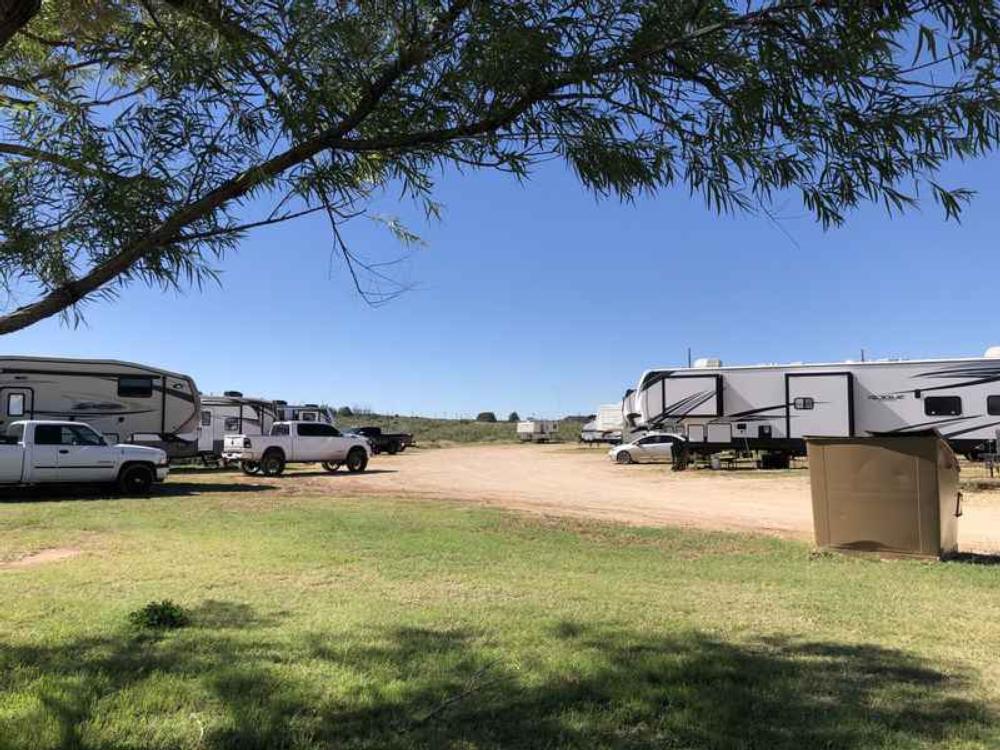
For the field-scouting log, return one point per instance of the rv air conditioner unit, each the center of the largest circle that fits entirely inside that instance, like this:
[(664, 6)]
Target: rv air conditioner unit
[(704, 363)]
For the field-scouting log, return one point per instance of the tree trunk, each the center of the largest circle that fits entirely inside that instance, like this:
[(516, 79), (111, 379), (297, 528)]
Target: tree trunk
[(14, 14)]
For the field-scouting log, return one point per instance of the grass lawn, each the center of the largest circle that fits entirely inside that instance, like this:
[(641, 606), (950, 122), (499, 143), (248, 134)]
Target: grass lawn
[(321, 622)]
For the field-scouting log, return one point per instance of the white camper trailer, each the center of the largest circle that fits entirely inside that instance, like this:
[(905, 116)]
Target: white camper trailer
[(773, 408), (606, 427), (304, 413), (232, 414), (537, 430), (127, 402)]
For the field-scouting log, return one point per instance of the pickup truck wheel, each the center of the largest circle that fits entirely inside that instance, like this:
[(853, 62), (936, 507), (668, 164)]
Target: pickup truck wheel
[(331, 466), (135, 479), (272, 464), (249, 467), (357, 460)]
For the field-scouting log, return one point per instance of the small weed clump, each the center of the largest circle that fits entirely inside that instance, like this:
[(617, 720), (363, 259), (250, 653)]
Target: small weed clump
[(165, 615)]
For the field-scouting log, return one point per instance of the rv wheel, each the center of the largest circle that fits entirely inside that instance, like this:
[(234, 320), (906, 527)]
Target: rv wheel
[(330, 466), (624, 457), (249, 467), (272, 464), (135, 480), (357, 461)]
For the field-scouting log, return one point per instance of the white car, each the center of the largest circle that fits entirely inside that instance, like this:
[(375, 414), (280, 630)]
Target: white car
[(654, 446), (297, 442), (41, 452)]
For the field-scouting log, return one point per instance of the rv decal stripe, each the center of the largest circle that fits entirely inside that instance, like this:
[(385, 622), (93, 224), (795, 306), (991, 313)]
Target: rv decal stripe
[(672, 409), (971, 429), (748, 412), (931, 423)]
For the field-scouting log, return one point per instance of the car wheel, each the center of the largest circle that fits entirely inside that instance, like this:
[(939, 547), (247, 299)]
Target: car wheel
[(331, 466), (357, 460), (249, 467), (272, 464), (624, 458), (136, 480)]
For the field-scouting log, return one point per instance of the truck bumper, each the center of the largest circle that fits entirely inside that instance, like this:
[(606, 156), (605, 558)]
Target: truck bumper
[(161, 473), (231, 456)]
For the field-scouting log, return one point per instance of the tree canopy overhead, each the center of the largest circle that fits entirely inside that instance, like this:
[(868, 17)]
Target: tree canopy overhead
[(137, 136)]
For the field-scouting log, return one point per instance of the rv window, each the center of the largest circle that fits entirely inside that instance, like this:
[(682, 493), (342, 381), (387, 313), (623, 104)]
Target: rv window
[(308, 416), (15, 405), (232, 424), (942, 406), (206, 419), (993, 405), (131, 386), (805, 403)]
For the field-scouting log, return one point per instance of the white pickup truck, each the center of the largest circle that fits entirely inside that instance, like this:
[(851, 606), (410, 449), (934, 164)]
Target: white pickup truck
[(297, 442), (40, 452)]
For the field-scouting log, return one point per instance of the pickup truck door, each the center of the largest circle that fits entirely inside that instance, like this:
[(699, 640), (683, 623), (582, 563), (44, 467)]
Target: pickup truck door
[(84, 456), (70, 453), (317, 441)]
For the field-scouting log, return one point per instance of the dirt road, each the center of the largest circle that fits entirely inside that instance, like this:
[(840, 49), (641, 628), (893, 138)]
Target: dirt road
[(570, 481)]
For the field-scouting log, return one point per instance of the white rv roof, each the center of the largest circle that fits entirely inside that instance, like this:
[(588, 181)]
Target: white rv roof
[(804, 365), (4, 360)]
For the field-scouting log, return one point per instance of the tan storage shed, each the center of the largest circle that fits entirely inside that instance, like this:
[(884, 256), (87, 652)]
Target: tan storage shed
[(891, 494)]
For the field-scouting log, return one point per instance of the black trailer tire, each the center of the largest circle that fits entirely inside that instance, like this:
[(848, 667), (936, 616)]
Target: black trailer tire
[(330, 466), (393, 448), (272, 463), (624, 458), (357, 460), (249, 467), (136, 479)]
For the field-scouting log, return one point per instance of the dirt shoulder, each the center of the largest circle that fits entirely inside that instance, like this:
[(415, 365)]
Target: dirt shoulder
[(560, 480)]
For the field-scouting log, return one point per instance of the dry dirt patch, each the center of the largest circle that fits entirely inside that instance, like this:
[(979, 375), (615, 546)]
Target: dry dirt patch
[(583, 483), (53, 554)]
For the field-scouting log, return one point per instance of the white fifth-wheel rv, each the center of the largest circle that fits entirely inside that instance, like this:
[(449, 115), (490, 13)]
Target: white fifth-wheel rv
[(775, 407), (127, 402), (229, 414)]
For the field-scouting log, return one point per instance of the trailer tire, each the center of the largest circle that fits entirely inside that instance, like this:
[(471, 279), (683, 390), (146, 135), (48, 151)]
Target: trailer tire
[(331, 466), (624, 458), (272, 463), (249, 467), (357, 460), (393, 448), (135, 479)]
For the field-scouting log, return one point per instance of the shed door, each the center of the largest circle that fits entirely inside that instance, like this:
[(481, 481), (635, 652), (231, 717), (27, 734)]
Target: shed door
[(820, 405)]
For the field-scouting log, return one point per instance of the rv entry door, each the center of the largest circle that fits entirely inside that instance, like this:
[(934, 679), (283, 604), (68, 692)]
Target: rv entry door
[(820, 404), (15, 404)]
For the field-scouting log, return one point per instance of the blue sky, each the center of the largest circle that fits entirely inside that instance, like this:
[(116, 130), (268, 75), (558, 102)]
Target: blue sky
[(540, 298)]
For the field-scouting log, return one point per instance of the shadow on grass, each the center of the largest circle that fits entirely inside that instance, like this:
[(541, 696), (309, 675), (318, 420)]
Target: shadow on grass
[(61, 492), (425, 688)]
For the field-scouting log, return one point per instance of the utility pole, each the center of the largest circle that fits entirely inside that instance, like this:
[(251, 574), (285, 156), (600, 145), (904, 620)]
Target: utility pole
[(689, 357)]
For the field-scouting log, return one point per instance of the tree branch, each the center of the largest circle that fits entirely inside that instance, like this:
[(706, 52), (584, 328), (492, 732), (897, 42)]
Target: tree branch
[(14, 15)]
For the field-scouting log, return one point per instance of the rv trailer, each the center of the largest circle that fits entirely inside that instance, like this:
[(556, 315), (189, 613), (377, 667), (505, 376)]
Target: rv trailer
[(232, 414), (304, 413), (606, 427), (773, 408), (536, 430), (127, 402)]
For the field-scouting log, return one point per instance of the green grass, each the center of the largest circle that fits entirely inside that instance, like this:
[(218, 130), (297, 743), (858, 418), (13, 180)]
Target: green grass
[(319, 622), (441, 432)]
